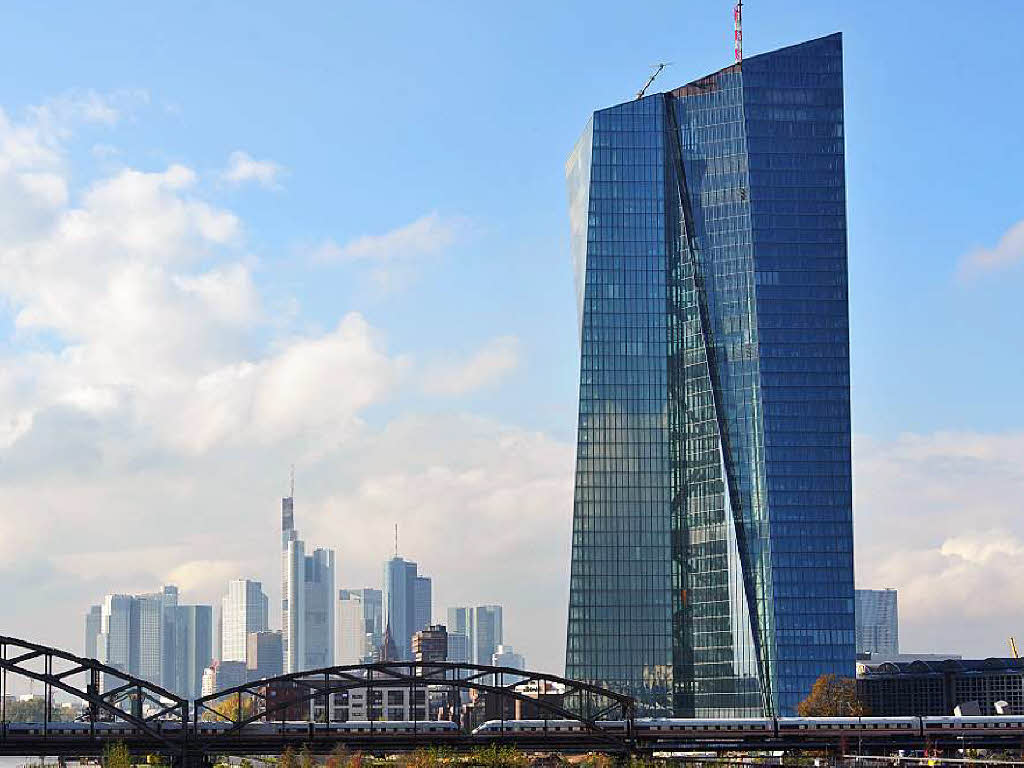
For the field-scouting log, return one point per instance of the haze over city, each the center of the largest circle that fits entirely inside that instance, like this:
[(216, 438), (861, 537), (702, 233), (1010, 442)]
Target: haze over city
[(243, 238)]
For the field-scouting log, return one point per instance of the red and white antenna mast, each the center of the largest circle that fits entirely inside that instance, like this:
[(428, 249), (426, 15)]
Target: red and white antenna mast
[(737, 15)]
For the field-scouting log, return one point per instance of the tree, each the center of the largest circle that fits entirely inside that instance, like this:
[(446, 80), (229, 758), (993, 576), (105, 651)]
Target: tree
[(116, 755), (227, 709), (832, 696)]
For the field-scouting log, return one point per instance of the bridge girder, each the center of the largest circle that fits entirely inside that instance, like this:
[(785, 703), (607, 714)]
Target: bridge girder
[(59, 666)]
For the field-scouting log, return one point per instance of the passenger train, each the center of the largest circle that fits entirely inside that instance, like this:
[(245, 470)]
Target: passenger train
[(649, 729)]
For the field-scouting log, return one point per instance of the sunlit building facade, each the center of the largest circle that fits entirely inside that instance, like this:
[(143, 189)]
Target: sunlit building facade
[(712, 550)]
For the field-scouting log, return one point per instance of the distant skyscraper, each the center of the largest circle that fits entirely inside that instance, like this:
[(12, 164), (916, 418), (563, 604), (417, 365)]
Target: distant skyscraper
[(147, 636), (358, 625), (264, 657), (712, 545), (114, 643), (93, 627), (505, 656), (168, 677), (482, 624), (307, 598), (193, 648), (406, 603), (877, 622), (244, 609), (458, 647)]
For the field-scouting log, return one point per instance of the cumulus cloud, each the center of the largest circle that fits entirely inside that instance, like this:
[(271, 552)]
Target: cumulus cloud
[(242, 168), (1007, 252), (939, 517), (150, 406), (392, 259), (457, 377)]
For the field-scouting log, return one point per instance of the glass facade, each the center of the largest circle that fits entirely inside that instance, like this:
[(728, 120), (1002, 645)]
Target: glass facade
[(712, 549)]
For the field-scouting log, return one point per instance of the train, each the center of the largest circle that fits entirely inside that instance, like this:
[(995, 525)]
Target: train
[(648, 729), (726, 729)]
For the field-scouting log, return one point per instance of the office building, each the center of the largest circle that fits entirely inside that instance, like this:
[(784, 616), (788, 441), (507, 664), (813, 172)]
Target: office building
[(114, 642), (307, 598), (168, 675), (193, 627), (458, 647), (223, 675), (93, 624), (151, 637), (358, 625), (505, 656), (430, 644), (407, 603), (147, 636), (244, 610), (877, 622), (712, 544), (264, 657), (482, 624), (936, 688)]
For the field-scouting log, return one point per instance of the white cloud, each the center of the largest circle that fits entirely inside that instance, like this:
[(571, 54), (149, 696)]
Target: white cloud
[(150, 407), (1008, 251), (939, 517), (391, 260), (457, 377), (242, 167)]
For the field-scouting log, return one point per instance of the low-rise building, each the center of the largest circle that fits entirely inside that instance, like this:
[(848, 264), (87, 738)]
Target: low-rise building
[(894, 689)]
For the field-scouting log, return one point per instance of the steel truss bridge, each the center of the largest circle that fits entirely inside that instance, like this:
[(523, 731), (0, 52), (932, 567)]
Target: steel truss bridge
[(259, 718)]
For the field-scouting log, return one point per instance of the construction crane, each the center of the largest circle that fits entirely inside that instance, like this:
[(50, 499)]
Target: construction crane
[(657, 71), (1013, 647)]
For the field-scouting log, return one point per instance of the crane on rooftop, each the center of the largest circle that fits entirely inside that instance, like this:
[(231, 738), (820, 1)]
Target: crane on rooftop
[(657, 71)]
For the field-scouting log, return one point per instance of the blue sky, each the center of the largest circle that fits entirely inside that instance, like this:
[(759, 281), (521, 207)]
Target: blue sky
[(440, 131)]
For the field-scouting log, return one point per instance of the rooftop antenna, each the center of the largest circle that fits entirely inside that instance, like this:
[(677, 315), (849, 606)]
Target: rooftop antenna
[(657, 71), (396, 540), (292, 492), (737, 15)]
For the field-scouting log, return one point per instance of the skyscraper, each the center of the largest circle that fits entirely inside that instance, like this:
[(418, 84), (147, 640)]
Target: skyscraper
[(93, 624), (712, 549), (482, 625), (263, 656), (877, 622), (407, 605), (114, 642), (244, 609), (358, 626), (193, 625), (307, 598)]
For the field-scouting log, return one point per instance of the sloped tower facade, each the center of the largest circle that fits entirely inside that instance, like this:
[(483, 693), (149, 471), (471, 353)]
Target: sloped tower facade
[(712, 543)]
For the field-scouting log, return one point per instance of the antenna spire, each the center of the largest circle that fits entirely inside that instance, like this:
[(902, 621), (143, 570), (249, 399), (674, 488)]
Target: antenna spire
[(292, 492), (396, 540), (737, 15)]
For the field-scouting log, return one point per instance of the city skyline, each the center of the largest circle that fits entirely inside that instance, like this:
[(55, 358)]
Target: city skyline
[(212, 267)]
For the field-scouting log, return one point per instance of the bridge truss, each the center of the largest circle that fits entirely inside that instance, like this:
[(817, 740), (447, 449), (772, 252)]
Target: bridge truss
[(107, 693), (319, 691)]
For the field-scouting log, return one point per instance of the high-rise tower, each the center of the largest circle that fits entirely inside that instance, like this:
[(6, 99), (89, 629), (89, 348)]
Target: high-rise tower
[(307, 598), (712, 549)]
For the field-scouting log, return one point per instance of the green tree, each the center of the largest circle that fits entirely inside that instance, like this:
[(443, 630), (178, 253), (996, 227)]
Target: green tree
[(117, 755), (832, 696)]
